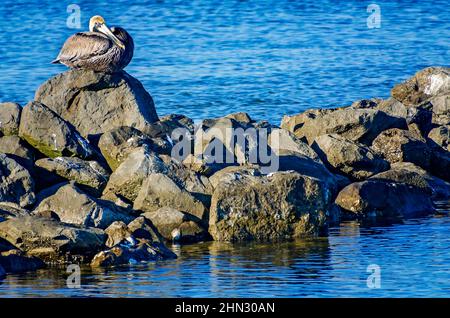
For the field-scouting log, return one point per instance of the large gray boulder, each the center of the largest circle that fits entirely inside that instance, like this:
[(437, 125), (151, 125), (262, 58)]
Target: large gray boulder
[(75, 207), (425, 84), (396, 145), (378, 199), (43, 129), (52, 241), (98, 102), (89, 174), (127, 179), (158, 190), (361, 125), (9, 118), (348, 157), (282, 205), (16, 184)]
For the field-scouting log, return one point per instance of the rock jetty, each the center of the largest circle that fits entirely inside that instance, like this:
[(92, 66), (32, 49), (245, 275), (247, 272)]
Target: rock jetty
[(90, 174)]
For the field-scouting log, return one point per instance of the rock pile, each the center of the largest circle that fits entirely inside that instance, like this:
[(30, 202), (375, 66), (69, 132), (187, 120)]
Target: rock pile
[(89, 173)]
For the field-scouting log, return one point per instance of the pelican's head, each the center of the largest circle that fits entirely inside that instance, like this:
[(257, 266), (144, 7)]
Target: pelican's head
[(97, 24)]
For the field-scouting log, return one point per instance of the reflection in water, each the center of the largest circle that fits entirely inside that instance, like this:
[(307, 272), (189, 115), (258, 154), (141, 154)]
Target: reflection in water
[(414, 259)]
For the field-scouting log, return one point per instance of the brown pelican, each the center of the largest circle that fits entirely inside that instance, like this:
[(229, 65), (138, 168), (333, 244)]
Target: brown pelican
[(101, 49)]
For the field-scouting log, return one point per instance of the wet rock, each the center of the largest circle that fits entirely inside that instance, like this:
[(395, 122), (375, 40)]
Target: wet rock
[(50, 134), (377, 199), (16, 184), (409, 173), (348, 157), (9, 118), (396, 145), (98, 102), (117, 144), (425, 84), (14, 261), (52, 241), (142, 228), (75, 207), (361, 125), (142, 252), (441, 136), (158, 191), (174, 225), (117, 232), (279, 206), (127, 180), (89, 174)]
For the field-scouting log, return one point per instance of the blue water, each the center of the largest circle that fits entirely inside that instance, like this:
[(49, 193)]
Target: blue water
[(413, 259), (206, 58)]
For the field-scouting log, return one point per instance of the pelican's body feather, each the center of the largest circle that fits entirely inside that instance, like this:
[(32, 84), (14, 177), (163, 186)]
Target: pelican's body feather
[(97, 51)]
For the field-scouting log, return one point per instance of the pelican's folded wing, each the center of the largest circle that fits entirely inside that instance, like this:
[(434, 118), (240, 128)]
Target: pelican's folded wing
[(82, 46)]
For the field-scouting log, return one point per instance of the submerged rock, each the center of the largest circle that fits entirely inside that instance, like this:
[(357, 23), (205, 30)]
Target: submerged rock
[(14, 261), (377, 199), (43, 129), (85, 173), (16, 184), (348, 157), (52, 241), (75, 207), (9, 118), (283, 205), (98, 102)]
